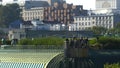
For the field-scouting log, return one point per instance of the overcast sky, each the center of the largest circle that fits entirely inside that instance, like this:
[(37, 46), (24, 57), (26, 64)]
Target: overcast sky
[(87, 4)]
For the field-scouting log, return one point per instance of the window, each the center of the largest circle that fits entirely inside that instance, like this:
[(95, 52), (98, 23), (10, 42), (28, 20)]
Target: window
[(85, 23), (88, 23), (82, 23), (15, 0), (79, 23)]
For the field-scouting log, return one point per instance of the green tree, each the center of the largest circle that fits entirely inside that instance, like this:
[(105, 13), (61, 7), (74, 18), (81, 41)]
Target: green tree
[(117, 28), (99, 30), (8, 14)]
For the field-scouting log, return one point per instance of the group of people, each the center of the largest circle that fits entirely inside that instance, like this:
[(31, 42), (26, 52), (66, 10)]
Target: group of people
[(77, 42)]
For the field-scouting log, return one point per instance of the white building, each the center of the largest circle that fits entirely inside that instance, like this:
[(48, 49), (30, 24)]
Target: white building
[(22, 2), (72, 27), (33, 13), (55, 26), (107, 7), (39, 25), (107, 4), (17, 34), (87, 22)]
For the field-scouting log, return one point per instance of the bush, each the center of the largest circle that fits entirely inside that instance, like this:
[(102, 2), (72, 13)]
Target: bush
[(92, 41), (109, 43), (45, 42), (97, 46), (115, 65), (25, 42)]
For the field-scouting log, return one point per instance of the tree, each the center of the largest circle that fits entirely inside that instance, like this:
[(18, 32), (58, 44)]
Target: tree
[(117, 28), (8, 14), (98, 30)]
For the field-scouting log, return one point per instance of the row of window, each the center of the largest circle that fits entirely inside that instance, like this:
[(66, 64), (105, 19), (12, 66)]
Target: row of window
[(92, 23), (94, 18), (85, 28), (31, 18), (32, 13)]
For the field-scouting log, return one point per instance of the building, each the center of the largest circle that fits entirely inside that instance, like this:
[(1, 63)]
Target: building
[(107, 7), (23, 2), (17, 34), (26, 25), (87, 22), (63, 13), (107, 4), (72, 27), (55, 26), (33, 13), (40, 25), (35, 4)]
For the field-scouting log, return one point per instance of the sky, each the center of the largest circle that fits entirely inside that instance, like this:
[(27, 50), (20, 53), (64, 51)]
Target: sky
[(87, 4)]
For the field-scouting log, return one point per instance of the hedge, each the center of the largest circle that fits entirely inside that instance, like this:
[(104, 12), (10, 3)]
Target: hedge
[(45, 42), (107, 42)]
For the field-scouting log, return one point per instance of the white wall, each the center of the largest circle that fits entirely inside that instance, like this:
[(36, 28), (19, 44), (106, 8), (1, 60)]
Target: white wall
[(4, 2), (111, 3)]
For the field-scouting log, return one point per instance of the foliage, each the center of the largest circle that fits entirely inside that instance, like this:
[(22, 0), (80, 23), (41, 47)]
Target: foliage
[(94, 44), (92, 41), (115, 65), (45, 42), (109, 42), (98, 30), (8, 14), (25, 42)]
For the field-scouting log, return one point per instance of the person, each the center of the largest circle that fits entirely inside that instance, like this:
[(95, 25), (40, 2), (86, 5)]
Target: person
[(67, 43), (71, 42), (12, 42), (66, 47), (74, 42), (80, 42), (3, 41), (86, 41), (77, 44)]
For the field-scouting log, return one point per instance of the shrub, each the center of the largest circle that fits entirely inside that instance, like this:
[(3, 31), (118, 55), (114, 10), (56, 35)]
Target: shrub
[(45, 42), (109, 43), (92, 41), (25, 42), (115, 65)]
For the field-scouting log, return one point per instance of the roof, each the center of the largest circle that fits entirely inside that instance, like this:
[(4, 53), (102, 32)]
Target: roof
[(52, 22), (15, 24), (32, 4), (27, 23)]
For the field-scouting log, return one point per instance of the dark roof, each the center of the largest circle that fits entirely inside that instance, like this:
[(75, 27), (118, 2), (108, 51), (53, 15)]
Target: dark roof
[(27, 23), (32, 4), (51, 22), (15, 24)]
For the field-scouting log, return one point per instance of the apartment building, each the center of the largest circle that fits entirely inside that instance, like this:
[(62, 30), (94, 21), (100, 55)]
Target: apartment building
[(33, 13), (63, 13), (87, 22)]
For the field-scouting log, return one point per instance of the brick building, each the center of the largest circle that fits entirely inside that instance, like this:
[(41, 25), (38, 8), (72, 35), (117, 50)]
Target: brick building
[(63, 13)]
